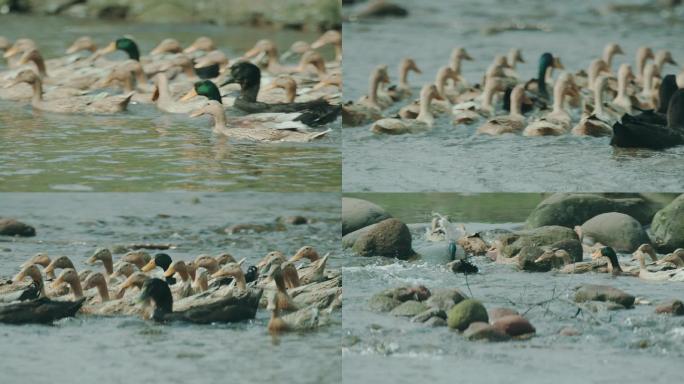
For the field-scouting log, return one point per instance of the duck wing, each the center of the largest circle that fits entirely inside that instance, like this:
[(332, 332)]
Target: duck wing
[(228, 309), (41, 310), (313, 113)]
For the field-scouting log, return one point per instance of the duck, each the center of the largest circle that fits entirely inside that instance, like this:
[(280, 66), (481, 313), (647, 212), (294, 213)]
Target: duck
[(469, 112), (613, 265), (185, 287), (547, 63), (366, 109), (622, 102), (643, 54), (315, 271), (62, 262), (424, 121), (248, 75), (676, 258), (663, 57), (514, 122), (458, 54), (331, 37), (201, 44), (437, 107), (70, 277), (41, 311), (100, 104), (17, 290), (645, 274), (41, 259), (568, 266), (402, 90), (123, 44), (231, 308), (598, 123), (305, 319), (104, 256), (138, 257), (609, 52), (514, 56), (633, 132), (558, 121), (163, 98), (647, 96), (263, 127), (160, 260)]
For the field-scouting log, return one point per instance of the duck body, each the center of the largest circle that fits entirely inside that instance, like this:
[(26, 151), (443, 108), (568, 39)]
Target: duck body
[(41, 310)]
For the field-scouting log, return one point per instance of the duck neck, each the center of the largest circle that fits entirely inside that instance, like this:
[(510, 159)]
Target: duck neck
[(37, 91), (598, 99), (185, 277), (558, 97), (108, 266), (76, 287), (219, 125), (250, 90), (487, 97), (163, 89), (373, 91), (456, 65), (103, 291), (608, 57), (512, 59), (516, 107), (641, 64), (541, 81), (240, 281), (648, 82), (622, 87), (675, 112), (290, 94), (40, 64), (425, 114), (403, 77)]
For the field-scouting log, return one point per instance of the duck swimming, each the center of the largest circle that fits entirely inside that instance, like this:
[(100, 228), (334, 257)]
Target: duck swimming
[(423, 122), (305, 319), (264, 127), (514, 122), (633, 132), (558, 121), (598, 123), (230, 308), (163, 261), (367, 109), (248, 75)]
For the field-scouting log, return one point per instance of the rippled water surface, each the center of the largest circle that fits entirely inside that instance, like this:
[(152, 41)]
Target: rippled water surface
[(127, 349), (144, 149), (454, 158), (627, 346)]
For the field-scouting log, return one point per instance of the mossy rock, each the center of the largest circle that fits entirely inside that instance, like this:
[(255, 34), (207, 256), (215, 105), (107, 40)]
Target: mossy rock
[(538, 237), (409, 308), (668, 226), (382, 303), (461, 315)]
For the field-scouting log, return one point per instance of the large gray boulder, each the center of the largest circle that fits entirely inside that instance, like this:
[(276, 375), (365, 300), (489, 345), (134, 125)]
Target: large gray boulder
[(389, 238), (668, 226), (357, 214), (12, 227), (617, 230), (573, 209)]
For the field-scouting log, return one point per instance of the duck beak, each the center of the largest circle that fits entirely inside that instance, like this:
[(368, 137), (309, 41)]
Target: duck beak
[(251, 53), (10, 52), (596, 254), (170, 271), (59, 281), (72, 49), (231, 80), (157, 50), (672, 61), (49, 269), (416, 69), (197, 113), (219, 273), (269, 87), (12, 83), (91, 260), (466, 56), (190, 49), (149, 266), (111, 47), (19, 277), (557, 64), (286, 55), (192, 93)]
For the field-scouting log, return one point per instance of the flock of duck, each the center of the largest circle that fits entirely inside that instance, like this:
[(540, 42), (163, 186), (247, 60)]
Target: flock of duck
[(644, 263), (639, 108), (300, 292), (276, 101)]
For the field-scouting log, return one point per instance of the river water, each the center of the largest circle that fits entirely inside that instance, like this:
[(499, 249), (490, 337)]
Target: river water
[(626, 346), (455, 159), (144, 149), (127, 349)]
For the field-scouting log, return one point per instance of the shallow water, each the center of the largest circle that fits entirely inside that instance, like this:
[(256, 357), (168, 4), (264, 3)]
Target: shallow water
[(89, 349), (454, 158), (632, 345), (144, 149)]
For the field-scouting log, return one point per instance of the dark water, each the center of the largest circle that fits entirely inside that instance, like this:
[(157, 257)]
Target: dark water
[(628, 346), (144, 149), (87, 349), (454, 158)]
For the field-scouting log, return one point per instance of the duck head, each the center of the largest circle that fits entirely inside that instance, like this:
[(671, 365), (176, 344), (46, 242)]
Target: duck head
[(252, 274), (19, 46), (179, 267), (244, 73), (138, 258), (202, 43), (70, 276), (167, 46), (163, 261), (124, 44), (608, 252), (158, 292), (41, 259), (307, 252), (25, 76), (137, 279), (97, 280), (330, 37), (31, 271), (205, 88), (100, 255), (83, 43), (62, 262)]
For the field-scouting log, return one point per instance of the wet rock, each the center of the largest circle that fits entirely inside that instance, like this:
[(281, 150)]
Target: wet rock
[(294, 220), (594, 292), (514, 325), (349, 239), (428, 314), (389, 238), (617, 230), (418, 293), (409, 308), (674, 308), (357, 214), (466, 312), (497, 313), (12, 227), (436, 322), (538, 237), (381, 8), (382, 303), (484, 331), (445, 299), (573, 209), (668, 226), (436, 253), (528, 255)]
